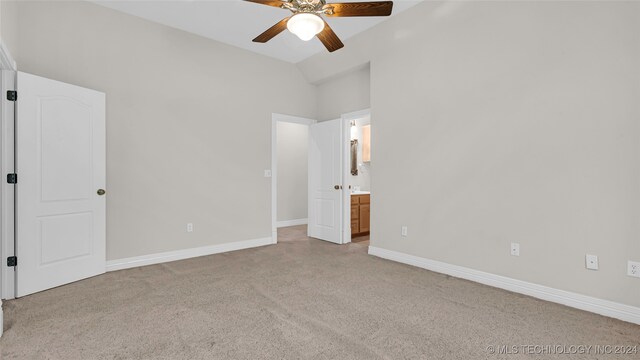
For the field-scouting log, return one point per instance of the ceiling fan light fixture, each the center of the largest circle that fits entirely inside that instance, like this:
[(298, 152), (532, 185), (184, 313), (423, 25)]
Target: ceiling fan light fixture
[(305, 25)]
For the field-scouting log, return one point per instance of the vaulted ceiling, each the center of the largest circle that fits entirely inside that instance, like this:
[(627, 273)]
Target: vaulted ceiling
[(237, 22)]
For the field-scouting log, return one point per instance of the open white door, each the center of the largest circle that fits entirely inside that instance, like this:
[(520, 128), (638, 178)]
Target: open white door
[(325, 181), (60, 202)]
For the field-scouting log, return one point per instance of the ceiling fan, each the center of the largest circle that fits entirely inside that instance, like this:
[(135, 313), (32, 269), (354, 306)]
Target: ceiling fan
[(307, 23)]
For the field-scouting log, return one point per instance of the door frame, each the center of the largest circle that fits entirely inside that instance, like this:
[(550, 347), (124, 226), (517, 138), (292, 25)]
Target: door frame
[(275, 118), (346, 169), (9, 68)]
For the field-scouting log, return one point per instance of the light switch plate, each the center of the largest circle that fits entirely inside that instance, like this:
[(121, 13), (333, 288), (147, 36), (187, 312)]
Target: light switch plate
[(591, 262), (267, 173)]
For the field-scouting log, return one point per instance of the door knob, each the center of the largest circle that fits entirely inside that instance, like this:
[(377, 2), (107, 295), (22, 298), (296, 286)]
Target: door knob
[(101, 192), (337, 187)]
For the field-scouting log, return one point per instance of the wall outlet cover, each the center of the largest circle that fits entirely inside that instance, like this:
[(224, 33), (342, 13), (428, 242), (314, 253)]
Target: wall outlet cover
[(267, 173), (515, 249), (404, 231), (633, 268)]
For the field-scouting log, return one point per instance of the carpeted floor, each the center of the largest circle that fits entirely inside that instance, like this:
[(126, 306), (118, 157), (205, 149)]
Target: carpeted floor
[(299, 299)]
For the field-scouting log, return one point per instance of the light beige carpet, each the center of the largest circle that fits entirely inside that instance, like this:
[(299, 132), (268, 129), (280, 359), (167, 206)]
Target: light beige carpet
[(300, 299)]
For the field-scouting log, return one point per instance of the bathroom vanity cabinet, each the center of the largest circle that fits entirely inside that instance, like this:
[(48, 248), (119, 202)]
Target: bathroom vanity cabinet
[(360, 218)]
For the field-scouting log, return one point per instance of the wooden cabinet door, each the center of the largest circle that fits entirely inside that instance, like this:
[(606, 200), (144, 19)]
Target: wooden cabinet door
[(364, 217), (355, 227), (355, 213)]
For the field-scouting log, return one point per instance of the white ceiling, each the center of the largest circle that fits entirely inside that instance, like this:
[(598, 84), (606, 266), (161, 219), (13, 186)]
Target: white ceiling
[(237, 22)]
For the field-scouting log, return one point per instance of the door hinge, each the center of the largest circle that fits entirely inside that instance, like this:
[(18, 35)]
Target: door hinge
[(12, 95), (12, 261), (12, 178)]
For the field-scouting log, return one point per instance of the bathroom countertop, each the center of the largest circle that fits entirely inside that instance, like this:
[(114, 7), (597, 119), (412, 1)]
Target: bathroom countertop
[(359, 192)]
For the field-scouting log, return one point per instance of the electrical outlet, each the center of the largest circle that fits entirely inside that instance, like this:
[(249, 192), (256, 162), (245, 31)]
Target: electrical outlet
[(633, 268), (591, 262), (267, 173), (190, 227), (515, 249), (403, 231)]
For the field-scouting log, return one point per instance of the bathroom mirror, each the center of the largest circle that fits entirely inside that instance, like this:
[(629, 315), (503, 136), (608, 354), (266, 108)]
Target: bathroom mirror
[(354, 157)]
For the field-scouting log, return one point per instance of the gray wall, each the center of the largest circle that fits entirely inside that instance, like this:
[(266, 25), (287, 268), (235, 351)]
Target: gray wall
[(293, 150), (188, 121), (344, 93), (492, 122), (498, 122), (8, 24)]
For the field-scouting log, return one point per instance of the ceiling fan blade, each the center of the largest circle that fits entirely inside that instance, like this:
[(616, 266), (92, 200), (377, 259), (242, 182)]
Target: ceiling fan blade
[(276, 3), (271, 32), (374, 8), (330, 39)]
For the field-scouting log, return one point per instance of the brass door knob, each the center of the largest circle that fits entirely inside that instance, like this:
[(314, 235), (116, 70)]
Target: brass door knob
[(101, 192)]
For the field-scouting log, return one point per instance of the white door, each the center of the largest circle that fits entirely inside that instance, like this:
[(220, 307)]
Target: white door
[(60, 162), (325, 181)]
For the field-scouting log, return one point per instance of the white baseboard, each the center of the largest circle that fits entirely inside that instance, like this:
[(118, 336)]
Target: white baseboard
[(578, 301), (169, 256), (293, 222)]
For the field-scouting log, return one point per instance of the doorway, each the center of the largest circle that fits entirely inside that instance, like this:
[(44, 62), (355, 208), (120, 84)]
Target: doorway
[(360, 178), (338, 194), (289, 173), (358, 206)]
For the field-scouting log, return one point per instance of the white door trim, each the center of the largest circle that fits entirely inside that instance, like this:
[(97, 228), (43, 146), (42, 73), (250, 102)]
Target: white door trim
[(7, 191), (8, 67), (346, 171), (275, 118)]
